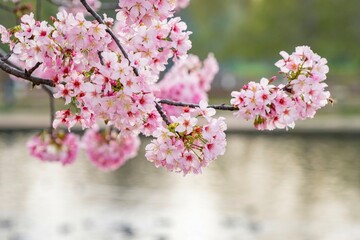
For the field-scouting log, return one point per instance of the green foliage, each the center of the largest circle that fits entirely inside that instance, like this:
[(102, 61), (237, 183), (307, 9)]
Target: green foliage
[(254, 30)]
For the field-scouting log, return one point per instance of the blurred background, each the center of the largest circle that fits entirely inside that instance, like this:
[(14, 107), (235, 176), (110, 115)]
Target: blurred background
[(301, 184)]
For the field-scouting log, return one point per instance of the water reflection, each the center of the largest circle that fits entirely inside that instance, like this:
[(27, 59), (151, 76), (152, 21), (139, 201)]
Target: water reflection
[(265, 187)]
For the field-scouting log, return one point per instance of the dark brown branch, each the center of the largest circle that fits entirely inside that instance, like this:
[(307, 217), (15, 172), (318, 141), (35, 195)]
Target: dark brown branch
[(29, 72), (109, 31), (162, 114), (52, 107), (101, 58), (17, 73), (222, 107), (4, 57), (11, 64)]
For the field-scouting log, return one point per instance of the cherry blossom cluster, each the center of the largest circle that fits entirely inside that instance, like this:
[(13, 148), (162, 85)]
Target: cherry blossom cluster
[(90, 72), (54, 147), (280, 106), (69, 53), (145, 11), (109, 150), (187, 81), (190, 142), (68, 45), (75, 6), (151, 46)]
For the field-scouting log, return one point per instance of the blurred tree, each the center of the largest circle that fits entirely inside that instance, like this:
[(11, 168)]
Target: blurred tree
[(255, 29)]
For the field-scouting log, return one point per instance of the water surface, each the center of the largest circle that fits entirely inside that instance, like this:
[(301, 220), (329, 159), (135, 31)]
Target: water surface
[(265, 188)]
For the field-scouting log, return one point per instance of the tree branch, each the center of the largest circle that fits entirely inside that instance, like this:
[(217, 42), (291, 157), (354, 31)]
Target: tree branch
[(29, 72), (162, 114), (109, 31), (101, 58), (18, 73), (52, 107), (5, 56), (222, 107)]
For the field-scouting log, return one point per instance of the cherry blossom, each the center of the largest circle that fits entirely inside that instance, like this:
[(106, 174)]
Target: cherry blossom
[(182, 4), (187, 81), (108, 91), (143, 11), (57, 147), (280, 106), (187, 145), (75, 6), (109, 150)]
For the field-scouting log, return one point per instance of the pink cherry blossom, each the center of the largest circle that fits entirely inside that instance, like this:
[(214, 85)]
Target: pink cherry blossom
[(97, 81), (186, 123), (5, 36), (182, 4), (280, 106), (144, 11), (187, 81), (75, 6), (109, 150), (57, 147), (186, 145)]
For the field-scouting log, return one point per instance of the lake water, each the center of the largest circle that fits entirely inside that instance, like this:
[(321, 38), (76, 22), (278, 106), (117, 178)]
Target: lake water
[(287, 187)]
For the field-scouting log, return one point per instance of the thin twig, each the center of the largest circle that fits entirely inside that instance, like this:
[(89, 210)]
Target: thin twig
[(17, 73), (162, 114), (109, 31), (101, 58), (222, 107), (52, 107), (29, 72), (6, 57)]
